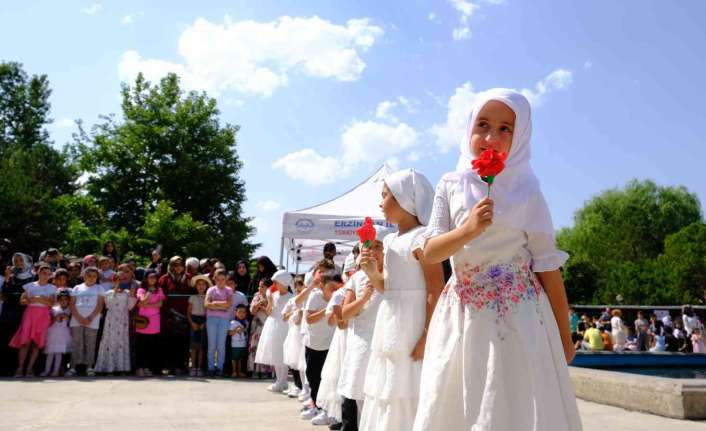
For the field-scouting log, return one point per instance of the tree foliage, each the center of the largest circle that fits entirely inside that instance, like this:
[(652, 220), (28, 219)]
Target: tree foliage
[(632, 242), (165, 172)]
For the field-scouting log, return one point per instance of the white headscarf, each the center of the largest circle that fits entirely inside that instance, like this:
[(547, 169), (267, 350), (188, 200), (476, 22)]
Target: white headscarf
[(519, 202), (349, 264), (282, 277), (27, 270), (413, 192)]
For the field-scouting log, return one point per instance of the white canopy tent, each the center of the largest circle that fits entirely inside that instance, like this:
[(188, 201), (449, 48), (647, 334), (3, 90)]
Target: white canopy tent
[(305, 231)]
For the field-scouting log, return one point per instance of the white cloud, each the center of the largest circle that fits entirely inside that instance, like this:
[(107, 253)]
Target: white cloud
[(127, 19), (557, 80), (461, 33), (587, 65), (413, 156), (63, 123), (268, 205), (459, 106), (93, 9), (431, 16), (259, 57), (363, 143), (448, 134), (384, 108), (309, 166), (466, 9)]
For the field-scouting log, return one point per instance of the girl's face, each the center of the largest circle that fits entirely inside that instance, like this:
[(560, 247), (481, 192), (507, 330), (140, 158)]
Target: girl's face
[(377, 252), (201, 287), (261, 268), (152, 280), (64, 301), (178, 268), (231, 283), (60, 281), (298, 287), (241, 314), (18, 262), (261, 287), (44, 275), (220, 280), (390, 207), (105, 265), (90, 278), (494, 128), (242, 270), (109, 247)]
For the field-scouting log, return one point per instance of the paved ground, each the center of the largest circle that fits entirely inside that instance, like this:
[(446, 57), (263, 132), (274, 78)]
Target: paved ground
[(193, 404)]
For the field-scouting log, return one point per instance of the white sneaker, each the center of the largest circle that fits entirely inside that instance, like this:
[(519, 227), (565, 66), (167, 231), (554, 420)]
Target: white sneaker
[(272, 387), (310, 414), (293, 393), (322, 419), (90, 372), (304, 395)]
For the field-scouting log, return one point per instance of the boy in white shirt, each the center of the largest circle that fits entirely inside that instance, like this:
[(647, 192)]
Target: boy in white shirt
[(318, 335), (238, 332)]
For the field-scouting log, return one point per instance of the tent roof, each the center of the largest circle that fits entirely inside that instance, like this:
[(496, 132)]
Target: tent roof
[(335, 220)]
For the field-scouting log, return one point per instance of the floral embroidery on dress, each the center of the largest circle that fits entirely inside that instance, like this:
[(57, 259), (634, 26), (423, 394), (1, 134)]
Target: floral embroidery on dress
[(497, 286)]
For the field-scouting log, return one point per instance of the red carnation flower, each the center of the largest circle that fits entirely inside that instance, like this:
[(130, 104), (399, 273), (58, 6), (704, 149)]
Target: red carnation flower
[(488, 165), (367, 233)]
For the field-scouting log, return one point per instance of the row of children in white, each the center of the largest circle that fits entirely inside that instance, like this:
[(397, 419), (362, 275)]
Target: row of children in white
[(399, 350)]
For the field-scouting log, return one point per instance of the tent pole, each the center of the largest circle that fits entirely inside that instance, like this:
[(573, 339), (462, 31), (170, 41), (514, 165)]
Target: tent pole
[(281, 252)]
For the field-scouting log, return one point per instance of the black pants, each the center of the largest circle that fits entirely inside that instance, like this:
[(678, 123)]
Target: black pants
[(297, 378), (349, 415), (148, 348), (314, 364)]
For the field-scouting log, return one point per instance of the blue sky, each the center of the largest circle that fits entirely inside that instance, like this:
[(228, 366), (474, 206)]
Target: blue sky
[(327, 91)]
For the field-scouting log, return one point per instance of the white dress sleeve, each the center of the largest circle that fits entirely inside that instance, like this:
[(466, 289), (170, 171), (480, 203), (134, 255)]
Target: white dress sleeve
[(440, 220), (545, 256)]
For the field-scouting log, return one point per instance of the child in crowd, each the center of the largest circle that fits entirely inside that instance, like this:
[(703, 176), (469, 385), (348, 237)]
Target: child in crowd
[(239, 340), (319, 333), (114, 350), (30, 338), (328, 398), (410, 288), (151, 298), (292, 314), (196, 314), (360, 310), (86, 307), (217, 302), (58, 334), (631, 339), (617, 330), (271, 349), (480, 371), (105, 263), (258, 309), (697, 341)]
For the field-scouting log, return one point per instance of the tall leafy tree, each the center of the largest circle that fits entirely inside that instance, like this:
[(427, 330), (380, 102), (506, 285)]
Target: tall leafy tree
[(168, 146), (35, 175), (619, 242)]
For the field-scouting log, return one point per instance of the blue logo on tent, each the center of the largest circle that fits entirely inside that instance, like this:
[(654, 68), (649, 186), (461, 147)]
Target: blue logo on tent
[(304, 225)]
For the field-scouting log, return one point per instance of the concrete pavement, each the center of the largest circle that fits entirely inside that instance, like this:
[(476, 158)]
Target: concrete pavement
[(201, 404)]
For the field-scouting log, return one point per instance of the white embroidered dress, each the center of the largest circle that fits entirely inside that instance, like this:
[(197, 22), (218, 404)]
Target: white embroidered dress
[(494, 359)]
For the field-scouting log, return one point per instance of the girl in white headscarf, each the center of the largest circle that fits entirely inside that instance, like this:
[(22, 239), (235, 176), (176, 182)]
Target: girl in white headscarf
[(410, 287), (499, 341)]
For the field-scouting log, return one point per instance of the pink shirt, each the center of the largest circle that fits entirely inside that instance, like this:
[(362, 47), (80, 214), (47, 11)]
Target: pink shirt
[(152, 313), (215, 294)]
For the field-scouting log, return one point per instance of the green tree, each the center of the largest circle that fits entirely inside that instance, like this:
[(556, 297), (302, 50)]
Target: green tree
[(169, 146), (35, 176), (621, 236)]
